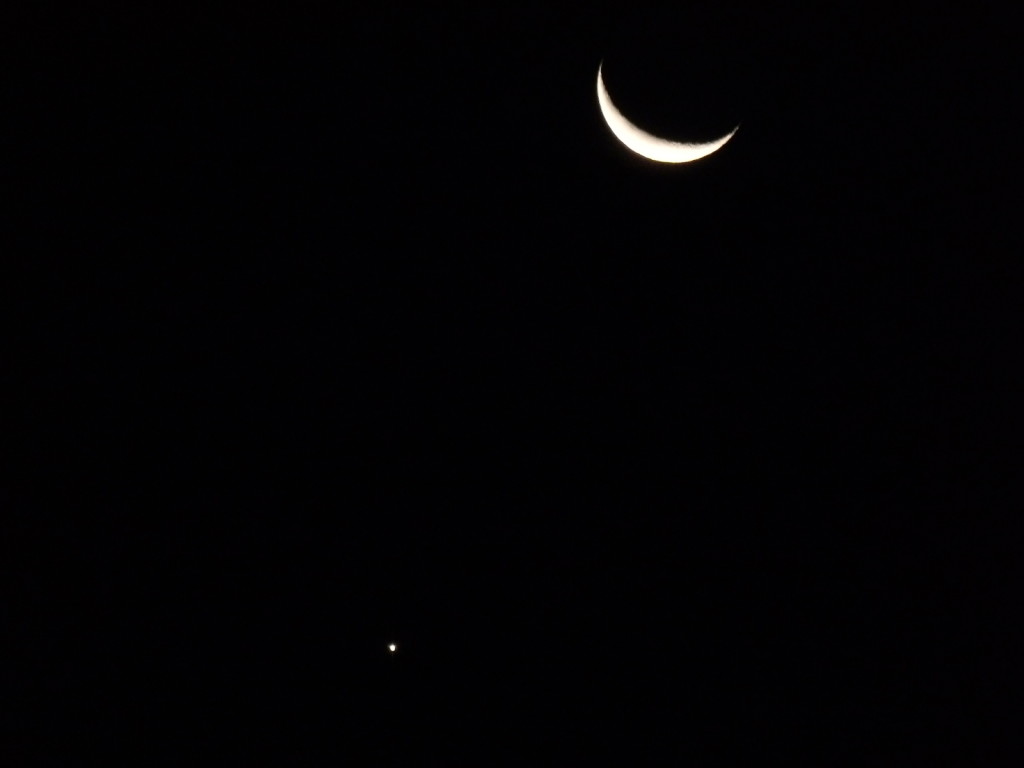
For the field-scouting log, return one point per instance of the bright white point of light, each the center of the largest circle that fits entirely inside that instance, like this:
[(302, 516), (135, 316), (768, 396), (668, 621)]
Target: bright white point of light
[(392, 647)]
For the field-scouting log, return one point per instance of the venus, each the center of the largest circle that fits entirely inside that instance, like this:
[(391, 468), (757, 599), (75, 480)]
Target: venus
[(645, 144)]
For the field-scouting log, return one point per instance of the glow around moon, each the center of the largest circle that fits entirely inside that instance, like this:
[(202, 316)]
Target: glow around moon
[(646, 144)]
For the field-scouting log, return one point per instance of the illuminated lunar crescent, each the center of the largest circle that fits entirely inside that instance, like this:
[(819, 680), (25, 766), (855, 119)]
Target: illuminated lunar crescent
[(643, 143)]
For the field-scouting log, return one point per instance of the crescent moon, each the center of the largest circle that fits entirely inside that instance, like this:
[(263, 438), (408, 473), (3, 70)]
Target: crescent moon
[(646, 144)]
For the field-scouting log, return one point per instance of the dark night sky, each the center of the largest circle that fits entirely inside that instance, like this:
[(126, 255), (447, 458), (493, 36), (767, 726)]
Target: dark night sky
[(334, 327)]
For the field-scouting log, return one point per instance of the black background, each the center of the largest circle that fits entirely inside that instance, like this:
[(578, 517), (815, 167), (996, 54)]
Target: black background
[(334, 327)]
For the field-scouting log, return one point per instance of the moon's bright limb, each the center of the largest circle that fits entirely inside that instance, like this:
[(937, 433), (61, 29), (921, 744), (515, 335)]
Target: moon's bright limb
[(643, 143)]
